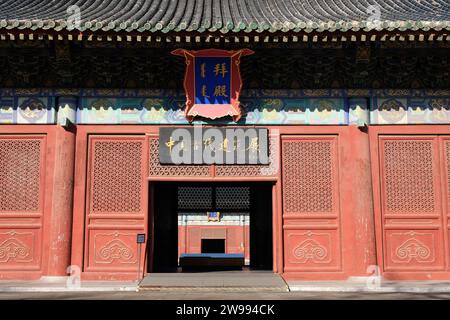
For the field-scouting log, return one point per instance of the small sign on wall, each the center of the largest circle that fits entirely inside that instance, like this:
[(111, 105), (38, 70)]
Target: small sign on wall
[(140, 238), (213, 216)]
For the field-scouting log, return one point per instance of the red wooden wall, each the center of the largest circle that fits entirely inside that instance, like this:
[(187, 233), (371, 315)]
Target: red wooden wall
[(114, 167), (237, 238), (324, 220), (411, 189), (327, 204), (315, 223), (22, 172), (36, 170), (312, 222), (116, 202)]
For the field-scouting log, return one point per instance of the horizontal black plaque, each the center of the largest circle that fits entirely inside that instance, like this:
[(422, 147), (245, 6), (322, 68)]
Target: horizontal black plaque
[(200, 145)]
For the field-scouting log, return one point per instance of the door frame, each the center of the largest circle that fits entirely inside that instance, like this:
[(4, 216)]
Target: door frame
[(214, 183), (81, 189)]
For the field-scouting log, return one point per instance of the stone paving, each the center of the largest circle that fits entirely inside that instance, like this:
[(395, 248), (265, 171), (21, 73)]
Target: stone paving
[(223, 286), (221, 281), (186, 295)]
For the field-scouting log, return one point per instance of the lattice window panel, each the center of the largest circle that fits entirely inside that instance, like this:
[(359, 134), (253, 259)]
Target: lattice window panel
[(252, 170), (20, 174), (195, 198), (309, 176), (232, 198), (447, 158), (156, 169), (408, 176), (116, 176)]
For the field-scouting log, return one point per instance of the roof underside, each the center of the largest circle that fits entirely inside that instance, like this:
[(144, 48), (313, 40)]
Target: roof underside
[(226, 16)]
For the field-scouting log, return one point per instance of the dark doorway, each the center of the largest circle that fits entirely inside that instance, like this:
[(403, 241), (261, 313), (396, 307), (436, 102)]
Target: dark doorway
[(261, 252), (164, 249), (167, 199), (213, 245)]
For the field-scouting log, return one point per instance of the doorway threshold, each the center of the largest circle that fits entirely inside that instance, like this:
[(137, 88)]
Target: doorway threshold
[(250, 281)]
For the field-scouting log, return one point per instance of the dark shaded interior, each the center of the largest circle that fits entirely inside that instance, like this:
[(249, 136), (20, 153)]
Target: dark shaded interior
[(126, 65), (213, 245), (163, 249)]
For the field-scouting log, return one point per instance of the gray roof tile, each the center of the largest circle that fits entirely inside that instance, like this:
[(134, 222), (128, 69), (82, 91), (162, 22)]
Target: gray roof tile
[(226, 15)]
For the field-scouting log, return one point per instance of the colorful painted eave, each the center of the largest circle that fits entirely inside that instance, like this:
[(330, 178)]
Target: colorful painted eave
[(225, 16)]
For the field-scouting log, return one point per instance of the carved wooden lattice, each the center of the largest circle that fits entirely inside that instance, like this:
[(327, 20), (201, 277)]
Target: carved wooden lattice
[(447, 158), (311, 188), (117, 194), (233, 198), (308, 176), (116, 176), (20, 174), (22, 160), (408, 176), (195, 198), (253, 170), (410, 186), (156, 169)]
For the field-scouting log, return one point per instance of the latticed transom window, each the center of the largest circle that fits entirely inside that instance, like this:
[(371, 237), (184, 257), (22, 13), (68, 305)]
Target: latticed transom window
[(214, 198), (195, 198)]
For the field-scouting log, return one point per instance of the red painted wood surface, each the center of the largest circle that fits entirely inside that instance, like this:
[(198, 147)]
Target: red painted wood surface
[(116, 202), (311, 205), (411, 192), (340, 226), (344, 228), (35, 206), (60, 232), (409, 213), (237, 238)]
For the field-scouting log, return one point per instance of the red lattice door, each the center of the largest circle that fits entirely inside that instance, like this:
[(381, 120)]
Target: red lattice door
[(116, 203), (311, 215), (411, 207), (445, 156), (22, 176)]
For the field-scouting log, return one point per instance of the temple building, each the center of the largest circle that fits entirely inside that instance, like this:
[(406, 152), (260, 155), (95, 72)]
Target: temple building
[(343, 169)]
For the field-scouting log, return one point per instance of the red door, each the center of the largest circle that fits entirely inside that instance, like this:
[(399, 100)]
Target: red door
[(444, 142), (411, 205), (311, 208), (22, 205), (116, 205)]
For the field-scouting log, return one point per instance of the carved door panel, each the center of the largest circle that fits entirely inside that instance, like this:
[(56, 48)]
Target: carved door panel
[(22, 176), (445, 178), (311, 214), (116, 203), (411, 203)]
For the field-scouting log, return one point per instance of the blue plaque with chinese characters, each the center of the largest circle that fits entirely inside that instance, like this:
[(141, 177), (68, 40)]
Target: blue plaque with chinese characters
[(213, 216), (212, 80)]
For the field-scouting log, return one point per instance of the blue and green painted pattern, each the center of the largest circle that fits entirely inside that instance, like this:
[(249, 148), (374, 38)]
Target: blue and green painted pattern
[(27, 109), (260, 107)]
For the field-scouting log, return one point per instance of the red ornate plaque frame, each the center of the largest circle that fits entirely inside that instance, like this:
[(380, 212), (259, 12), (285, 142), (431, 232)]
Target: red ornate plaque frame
[(212, 111)]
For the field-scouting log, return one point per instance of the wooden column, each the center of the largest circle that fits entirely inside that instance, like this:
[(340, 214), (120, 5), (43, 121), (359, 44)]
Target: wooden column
[(60, 226), (361, 242)]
